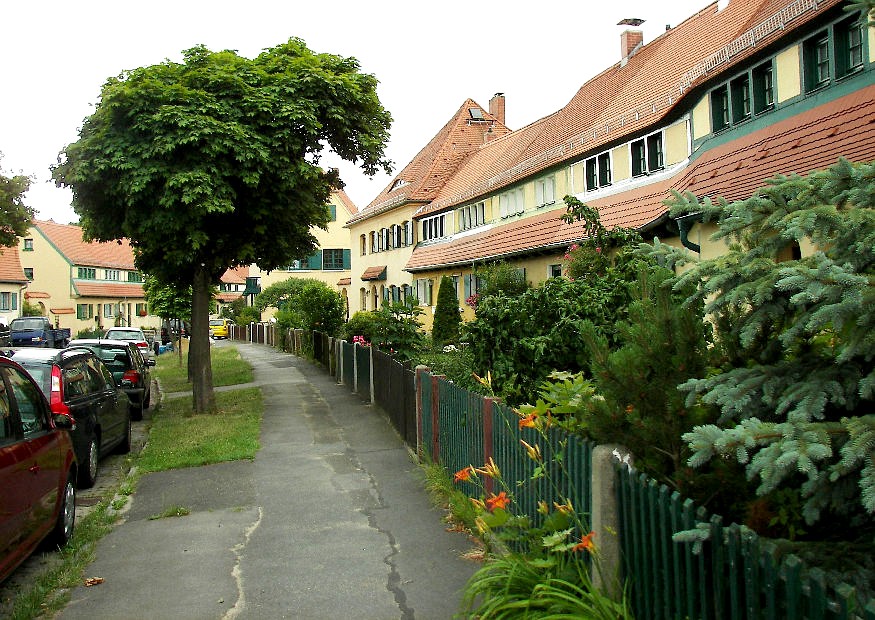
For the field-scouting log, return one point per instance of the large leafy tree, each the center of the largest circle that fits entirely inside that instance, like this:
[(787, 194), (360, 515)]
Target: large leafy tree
[(213, 163), (15, 216), (796, 386)]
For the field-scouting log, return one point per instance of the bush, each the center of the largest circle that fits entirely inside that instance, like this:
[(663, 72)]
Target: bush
[(363, 323), (445, 329)]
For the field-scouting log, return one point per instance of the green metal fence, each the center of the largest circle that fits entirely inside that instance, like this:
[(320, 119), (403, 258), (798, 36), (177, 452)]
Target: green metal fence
[(734, 575)]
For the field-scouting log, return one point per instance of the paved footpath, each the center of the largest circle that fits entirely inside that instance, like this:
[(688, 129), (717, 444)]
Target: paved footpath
[(329, 521)]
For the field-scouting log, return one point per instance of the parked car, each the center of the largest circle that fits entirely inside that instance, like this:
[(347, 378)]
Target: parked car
[(128, 368), (78, 384), (37, 470), (220, 328), (5, 336), (131, 334)]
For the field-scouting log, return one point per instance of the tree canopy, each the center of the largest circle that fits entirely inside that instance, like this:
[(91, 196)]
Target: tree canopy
[(796, 385), (15, 216), (213, 163)]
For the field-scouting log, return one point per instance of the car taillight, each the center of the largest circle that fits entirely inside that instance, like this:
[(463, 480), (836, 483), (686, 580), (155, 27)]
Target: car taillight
[(131, 375), (56, 396)]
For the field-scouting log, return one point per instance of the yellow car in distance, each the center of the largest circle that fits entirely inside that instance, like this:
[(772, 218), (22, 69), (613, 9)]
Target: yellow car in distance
[(220, 328)]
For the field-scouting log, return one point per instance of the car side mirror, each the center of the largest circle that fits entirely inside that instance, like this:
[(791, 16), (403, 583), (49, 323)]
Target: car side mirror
[(64, 421)]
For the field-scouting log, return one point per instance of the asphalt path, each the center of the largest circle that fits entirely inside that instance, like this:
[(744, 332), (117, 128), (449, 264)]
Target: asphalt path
[(330, 520)]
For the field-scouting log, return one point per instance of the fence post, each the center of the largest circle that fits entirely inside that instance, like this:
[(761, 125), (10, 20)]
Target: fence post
[(606, 519), (355, 368), (371, 360)]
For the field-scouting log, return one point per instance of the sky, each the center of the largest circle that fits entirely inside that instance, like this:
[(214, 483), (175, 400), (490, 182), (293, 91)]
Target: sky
[(428, 58)]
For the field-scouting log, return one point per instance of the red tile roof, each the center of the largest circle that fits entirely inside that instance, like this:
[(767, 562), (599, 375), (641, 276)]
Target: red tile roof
[(346, 201), (68, 240), (434, 165), (812, 140), (344, 282), (10, 266), (89, 288), (62, 310), (630, 96), (237, 275), (36, 295), (229, 296)]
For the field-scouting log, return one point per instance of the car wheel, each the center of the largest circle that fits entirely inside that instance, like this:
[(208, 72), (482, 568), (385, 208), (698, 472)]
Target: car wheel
[(147, 399), (136, 411), (63, 530), (125, 446), (88, 469)]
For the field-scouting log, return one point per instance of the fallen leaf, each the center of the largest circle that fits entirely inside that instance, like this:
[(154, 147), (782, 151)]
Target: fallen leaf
[(93, 581)]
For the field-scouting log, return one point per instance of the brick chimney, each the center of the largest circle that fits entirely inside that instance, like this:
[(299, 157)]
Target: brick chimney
[(629, 42), (496, 107)]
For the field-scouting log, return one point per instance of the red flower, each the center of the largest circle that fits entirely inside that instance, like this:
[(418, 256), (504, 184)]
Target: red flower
[(497, 501), (530, 421), (463, 475), (585, 543)]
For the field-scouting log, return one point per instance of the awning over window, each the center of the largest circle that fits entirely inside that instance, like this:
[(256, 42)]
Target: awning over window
[(375, 273), (344, 282), (62, 311), (36, 295)]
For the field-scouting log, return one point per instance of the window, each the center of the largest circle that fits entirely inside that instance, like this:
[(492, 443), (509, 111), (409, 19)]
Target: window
[(763, 88), (433, 227), (28, 245), (739, 89), (511, 203), (554, 271), (332, 259), (848, 46), (397, 236), (647, 154), (720, 108), (84, 311), (108, 311), (545, 191), (408, 232), (363, 245), (363, 299), (598, 171), (471, 216), (142, 309), (28, 273), (373, 236), (135, 276), (87, 273), (815, 53), (111, 274), (8, 301), (423, 291)]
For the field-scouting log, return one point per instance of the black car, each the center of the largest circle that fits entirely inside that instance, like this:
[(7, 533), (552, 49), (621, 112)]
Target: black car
[(128, 366), (77, 383)]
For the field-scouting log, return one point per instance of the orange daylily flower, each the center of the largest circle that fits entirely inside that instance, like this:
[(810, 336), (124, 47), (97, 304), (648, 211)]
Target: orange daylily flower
[(565, 508), (529, 421), (585, 544), (464, 475), (497, 501)]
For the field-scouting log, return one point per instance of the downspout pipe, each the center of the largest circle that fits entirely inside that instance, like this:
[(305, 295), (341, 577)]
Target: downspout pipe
[(685, 224)]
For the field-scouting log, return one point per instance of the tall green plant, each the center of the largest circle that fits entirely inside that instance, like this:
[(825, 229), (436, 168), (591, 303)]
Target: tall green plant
[(445, 329), (398, 328)]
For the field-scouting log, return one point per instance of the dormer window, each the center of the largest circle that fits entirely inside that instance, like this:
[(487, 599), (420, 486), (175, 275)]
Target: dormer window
[(398, 183), (476, 114)]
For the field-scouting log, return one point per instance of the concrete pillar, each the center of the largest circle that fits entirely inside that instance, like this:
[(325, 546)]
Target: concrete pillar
[(606, 519)]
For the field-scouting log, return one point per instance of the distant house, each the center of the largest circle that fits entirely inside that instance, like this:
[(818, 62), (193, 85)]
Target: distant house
[(82, 284), (13, 283)]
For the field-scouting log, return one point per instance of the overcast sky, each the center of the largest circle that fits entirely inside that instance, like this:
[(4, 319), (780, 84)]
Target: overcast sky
[(428, 58)]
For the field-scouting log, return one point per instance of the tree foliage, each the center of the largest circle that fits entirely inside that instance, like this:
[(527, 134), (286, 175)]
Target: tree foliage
[(796, 383), (213, 163), (167, 301), (398, 328), (15, 216), (445, 329), (304, 303)]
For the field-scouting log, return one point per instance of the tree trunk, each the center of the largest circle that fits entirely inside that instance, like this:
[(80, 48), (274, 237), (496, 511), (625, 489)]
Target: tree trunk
[(199, 345)]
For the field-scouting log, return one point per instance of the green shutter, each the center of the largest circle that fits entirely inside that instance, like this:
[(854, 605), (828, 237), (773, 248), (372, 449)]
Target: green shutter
[(347, 259), (333, 211), (467, 286), (315, 261), (15, 301)]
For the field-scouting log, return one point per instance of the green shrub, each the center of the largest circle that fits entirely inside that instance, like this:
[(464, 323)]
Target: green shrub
[(363, 323), (445, 329)]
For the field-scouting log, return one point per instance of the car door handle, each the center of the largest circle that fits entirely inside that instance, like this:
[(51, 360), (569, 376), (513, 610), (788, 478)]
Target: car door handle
[(34, 469)]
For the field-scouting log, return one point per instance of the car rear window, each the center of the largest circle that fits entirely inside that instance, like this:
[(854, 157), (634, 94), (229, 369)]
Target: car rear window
[(125, 335)]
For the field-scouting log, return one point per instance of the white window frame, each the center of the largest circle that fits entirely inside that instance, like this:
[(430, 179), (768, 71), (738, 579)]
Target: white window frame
[(545, 191)]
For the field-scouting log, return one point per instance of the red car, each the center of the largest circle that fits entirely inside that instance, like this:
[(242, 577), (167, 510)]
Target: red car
[(37, 470)]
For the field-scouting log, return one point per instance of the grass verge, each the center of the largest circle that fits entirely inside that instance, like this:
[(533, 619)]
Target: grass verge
[(228, 369)]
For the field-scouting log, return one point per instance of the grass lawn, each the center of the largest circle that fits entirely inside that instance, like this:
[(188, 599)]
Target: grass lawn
[(228, 369)]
